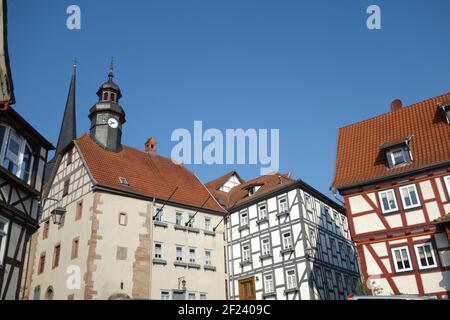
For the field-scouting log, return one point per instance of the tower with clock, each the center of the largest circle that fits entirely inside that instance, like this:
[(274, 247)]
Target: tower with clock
[(107, 116)]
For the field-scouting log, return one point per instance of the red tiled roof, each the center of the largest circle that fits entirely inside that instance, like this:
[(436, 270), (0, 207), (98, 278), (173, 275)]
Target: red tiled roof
[(215, 185), (359, 158), (239, 194), (153, 176)]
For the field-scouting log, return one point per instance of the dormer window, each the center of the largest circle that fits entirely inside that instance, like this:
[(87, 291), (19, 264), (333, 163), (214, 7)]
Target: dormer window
[(446, 109), (123, 181), (252, 190), (397, 153)]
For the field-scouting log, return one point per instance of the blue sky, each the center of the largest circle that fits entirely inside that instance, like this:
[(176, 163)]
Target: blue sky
[(304, 67)]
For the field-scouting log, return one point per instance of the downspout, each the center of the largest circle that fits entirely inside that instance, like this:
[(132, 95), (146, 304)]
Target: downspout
[(152, 205)]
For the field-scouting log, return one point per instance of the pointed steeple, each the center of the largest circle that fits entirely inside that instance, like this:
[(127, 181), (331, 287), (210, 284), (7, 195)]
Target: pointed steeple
[(68, 131)]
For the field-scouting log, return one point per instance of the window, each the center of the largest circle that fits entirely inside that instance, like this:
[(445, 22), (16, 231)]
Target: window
[(425, 255), (75, 246), (312, 237), (268, 283), (16, 156), (123, 219), (158, 251), (388, 201), (123, 181), (178, 218), (333, 247), (79, 212), (262, 211), (319, 278), (246, 252), (66, 187), (191, 296), (291, 279), (339, 282), (105, 96), (45, 230), (207, 224), (398, 156), (287, 241), (158, 214), (282, 205), (265, 247), (56, 254), (244, 218), (203, 296), (165, 295), (49, 294), (37, 293), (113, 97), (402, 259), (410, 199), (69, 156), (192, 254), (179, 253), (191, 221), (208, 257), (447, 184), (4, 224), (329, 277), (41, 267)]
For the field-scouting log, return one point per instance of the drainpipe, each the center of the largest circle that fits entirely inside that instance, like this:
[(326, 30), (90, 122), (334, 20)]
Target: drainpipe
[(152, 205)]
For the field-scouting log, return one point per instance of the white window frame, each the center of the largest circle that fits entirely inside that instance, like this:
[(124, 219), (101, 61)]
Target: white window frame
[(166, 293), (203, 296), (447, 184), (208, 262), (192, 259), (208, 224), (176, 253), (262, 214), (23, 144), (191, 220), (4, 235), (179, 214), (290, 240), (405, 159), (192, 294), (291, 275), (159, 211), (409, 194), (243, 221), (394, 259), (269, 285), (246, 254), (286, 205), (380, 193), (416, 250), (162, 250), (263, 247)]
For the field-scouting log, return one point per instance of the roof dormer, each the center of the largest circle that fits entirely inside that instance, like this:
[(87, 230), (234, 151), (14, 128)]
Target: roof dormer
[(397, 153), (445, 107)]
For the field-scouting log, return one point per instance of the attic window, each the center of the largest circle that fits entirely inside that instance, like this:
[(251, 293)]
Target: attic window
[(446, 109), (123, 181), (397, 153)]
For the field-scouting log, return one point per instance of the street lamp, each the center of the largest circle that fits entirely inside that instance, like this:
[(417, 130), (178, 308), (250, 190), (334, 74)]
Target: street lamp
[(57, 213)]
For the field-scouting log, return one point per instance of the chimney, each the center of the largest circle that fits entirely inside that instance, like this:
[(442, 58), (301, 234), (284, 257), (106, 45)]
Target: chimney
[(150, 145), (396, 105)]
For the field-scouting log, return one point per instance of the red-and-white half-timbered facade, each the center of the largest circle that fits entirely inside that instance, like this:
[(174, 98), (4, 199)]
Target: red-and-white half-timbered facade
[(393, 172)]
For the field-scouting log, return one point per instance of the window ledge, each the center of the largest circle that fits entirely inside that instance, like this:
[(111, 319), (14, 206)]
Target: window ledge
[(211, 268), (282, 214), (265, 256), (193, 230), (159, 261), (160, 224), (291, 290), (263, 220), (180, 264), (288, 250), (193, 266), (209, 233), (245, 263), (269, 295), (178, 227), (244, 227)]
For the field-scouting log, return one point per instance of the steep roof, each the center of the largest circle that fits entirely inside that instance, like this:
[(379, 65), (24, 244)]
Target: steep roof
[(147, 175), (215, 185), (360, 160)]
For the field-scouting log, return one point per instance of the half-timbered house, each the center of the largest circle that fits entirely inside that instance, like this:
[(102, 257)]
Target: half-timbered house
[(393, 172), (285, 239), (23, 154)]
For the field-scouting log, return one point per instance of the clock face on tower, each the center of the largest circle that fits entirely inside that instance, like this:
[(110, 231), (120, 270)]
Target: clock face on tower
[(113, 123)]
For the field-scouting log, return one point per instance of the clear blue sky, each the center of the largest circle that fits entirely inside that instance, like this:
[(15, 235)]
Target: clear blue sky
[(305, 67)]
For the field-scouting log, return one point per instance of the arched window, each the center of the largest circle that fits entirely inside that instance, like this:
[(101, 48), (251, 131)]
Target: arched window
[(16, 155), (49, 294), (113, 97), (105, 96)]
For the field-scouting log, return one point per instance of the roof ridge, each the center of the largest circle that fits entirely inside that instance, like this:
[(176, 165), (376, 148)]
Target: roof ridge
[(408, 107)]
